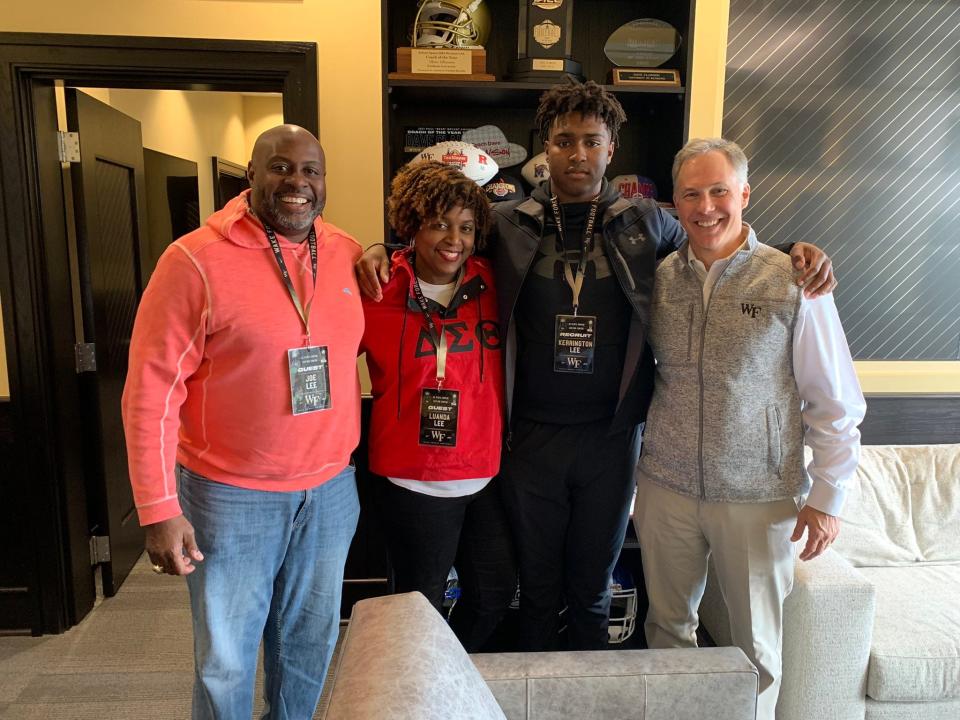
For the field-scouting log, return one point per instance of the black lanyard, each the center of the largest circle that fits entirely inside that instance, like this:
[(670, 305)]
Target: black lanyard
[(576, 284), (437, 335), (284, 273)]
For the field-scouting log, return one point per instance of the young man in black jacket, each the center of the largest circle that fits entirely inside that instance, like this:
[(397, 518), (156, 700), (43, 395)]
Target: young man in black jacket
[(574, 266)]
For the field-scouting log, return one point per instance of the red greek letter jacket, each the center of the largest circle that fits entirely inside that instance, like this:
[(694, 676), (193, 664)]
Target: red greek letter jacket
[(402, 360)]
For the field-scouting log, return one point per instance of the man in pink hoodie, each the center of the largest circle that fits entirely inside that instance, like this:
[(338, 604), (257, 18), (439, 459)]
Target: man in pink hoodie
[(241, 409)]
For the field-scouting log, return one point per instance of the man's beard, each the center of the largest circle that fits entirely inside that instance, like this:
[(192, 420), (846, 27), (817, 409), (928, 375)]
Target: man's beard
[(271, 209)]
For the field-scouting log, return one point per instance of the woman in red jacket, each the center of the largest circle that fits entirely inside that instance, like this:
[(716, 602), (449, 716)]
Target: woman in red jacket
[(434, 352)]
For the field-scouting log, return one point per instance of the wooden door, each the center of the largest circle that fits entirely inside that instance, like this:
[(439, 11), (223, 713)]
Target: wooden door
[(109, 204)]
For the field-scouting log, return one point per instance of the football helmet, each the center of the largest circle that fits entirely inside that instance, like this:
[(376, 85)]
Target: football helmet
[(623, 605), (451, 592), (451, 23)]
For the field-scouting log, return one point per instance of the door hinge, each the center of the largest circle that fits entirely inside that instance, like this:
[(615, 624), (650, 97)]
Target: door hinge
[(85, 355), (99, 549), (68, 146)]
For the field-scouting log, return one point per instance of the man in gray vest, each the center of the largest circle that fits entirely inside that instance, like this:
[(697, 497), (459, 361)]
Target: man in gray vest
[(748, 371)]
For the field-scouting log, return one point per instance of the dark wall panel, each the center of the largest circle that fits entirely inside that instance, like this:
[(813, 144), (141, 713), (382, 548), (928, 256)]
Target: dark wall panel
[(849, 112), (16, 606), (911, 420)]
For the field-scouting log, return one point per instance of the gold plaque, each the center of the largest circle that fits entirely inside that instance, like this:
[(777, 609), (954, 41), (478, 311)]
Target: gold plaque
[(547, 64), (441, 61), (449, 64), (547, 4)]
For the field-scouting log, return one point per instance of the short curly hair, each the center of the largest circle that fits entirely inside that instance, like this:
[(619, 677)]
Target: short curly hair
[(589, 99), (425, 190)]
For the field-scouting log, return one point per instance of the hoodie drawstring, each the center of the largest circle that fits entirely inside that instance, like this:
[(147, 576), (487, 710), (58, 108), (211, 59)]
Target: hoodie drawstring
[(480, 333), (403, 332)]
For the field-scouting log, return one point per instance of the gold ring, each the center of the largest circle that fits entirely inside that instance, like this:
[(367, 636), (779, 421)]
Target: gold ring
[(158, 569)]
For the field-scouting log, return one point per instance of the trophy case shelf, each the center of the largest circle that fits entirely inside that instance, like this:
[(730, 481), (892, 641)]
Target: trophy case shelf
[(657, 115), (469, 94)]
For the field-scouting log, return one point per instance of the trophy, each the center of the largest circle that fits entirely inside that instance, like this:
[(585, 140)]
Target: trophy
[(447, 42), (638, 48), (544, 42)]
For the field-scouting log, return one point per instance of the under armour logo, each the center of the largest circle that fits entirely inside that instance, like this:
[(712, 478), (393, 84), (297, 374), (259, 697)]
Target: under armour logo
[(750, 309), (550, 263)]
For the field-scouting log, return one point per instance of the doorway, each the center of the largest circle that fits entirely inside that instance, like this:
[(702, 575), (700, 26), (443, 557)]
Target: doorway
[(47, 417)]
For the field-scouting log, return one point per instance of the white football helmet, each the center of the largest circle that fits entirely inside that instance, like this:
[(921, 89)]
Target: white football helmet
[(623, 605), (451, 23)]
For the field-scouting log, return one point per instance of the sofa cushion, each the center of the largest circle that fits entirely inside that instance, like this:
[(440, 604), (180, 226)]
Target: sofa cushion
[(714, 683), (915, 652), (903, 507), (942, 710), (400, 660)]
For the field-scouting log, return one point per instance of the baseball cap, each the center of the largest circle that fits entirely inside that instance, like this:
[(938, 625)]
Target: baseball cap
[(492, 139)]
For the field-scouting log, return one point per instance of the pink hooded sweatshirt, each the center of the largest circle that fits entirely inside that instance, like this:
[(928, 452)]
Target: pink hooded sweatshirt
[(208, 384)]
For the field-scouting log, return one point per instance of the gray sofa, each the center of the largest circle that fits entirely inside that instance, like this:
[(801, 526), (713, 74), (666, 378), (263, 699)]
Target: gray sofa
[(399, 660), (872, 627)]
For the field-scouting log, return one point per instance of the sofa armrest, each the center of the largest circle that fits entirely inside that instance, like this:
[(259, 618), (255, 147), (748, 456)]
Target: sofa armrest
[(400, 660), (827, 630), (708, 684)]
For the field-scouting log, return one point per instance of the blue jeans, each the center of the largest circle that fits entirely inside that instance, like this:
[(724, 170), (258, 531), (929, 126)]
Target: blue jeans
[(272, 569)]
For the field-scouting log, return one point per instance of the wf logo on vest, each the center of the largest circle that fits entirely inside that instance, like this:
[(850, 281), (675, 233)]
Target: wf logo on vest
[(750, 309)]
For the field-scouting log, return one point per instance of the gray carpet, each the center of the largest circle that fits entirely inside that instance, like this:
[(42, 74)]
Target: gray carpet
[(131, 658)]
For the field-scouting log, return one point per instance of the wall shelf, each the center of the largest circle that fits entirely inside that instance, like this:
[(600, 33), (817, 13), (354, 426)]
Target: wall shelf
[(511, 94)]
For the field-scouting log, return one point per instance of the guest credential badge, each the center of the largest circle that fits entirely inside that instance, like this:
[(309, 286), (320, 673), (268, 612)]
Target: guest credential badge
[(439, 412), (308, 365), (309, 379)]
